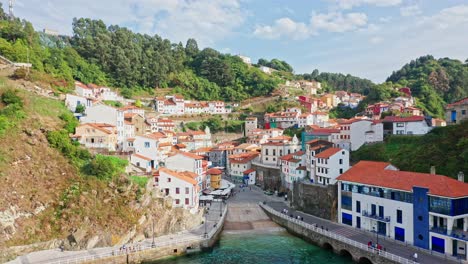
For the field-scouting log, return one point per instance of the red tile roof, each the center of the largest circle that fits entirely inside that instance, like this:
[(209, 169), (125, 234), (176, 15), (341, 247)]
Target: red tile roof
[(214, 171), (459, 102), (403, 119), (374, 173), (187, 176), (142, 157), (248, 171), (328, 153), (190, 155)]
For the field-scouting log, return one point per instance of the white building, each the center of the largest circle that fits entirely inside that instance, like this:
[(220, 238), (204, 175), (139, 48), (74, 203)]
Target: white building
[(185, 161), (273, 150), (245, 59), (83, 90), (240, 163), (182, 186), (413, 125), (101, 113), (356, 132), (425, 210), (305, 119), (314, 147), (72, 101), (293, 168), (330, 164)]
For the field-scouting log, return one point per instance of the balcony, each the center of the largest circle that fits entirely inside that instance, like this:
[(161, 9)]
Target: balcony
[(455, 233), (367, 214)]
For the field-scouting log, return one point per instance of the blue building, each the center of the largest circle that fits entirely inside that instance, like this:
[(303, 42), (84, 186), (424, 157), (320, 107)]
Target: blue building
[(427, 210)]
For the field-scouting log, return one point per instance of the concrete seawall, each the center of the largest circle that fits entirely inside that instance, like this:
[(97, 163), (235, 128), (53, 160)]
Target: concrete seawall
[(172, 249), (340, 245)]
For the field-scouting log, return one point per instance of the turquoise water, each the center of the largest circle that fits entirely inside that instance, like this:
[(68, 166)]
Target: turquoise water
[(269, 248)]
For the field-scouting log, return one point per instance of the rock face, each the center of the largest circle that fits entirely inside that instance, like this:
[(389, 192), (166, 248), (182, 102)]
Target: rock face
[(321, 201)]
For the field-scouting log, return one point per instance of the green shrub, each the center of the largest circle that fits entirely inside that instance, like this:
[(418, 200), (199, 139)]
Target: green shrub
[(11, 97), (105, 167)]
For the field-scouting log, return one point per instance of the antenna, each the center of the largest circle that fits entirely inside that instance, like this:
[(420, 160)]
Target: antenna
[(10, 9)]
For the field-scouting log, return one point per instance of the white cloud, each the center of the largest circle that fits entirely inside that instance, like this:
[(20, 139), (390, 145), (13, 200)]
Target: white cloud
[(412, 10), (205, 20), (283, 27), (376, 40), (348, 4), (338, 22), (385, 19), (451, 17)]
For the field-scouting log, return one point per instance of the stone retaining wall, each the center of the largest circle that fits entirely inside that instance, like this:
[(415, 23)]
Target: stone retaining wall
[(320, 201)]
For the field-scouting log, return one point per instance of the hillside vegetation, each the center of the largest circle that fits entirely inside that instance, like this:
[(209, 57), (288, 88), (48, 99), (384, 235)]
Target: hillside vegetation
[(443, 147), (54, 191)]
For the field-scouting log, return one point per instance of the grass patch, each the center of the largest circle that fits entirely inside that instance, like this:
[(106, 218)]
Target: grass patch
[(140, 180)]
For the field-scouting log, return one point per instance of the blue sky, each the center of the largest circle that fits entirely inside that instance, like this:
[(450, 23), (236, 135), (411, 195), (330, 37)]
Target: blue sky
[(366, 38)]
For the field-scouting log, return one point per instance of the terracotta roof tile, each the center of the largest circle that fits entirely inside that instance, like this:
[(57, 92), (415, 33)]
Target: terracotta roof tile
[(328, 153), (375, 174), (214, 171), (187, 176)]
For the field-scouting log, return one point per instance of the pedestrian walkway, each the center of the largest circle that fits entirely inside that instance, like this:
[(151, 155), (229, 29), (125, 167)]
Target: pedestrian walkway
[(361, 236), (57, 256)]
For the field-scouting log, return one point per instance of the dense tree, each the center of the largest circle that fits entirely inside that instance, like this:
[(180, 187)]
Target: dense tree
[(338, 81), (276, 64)]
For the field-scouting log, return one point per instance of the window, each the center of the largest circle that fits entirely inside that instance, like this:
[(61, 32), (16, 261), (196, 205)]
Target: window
[(177, 190), (399, 216), (463, 112), (341, 171), (347, 219), (358, 206), (186, 200), (187, 190), (266, 151), (168, 179), (400, 124), (177, 201), (147, 144), (274, 152), (341, 161)]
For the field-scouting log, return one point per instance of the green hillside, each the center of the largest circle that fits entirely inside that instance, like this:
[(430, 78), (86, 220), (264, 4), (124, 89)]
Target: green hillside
[(434, 82), (444, 147)]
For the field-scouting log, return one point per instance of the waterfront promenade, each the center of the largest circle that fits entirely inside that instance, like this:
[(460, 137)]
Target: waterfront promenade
[(363, 237), (197, 235), (249, 196)]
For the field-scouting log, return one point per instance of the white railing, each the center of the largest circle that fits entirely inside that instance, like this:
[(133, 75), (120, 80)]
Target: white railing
[(135, 248), (346, 240)]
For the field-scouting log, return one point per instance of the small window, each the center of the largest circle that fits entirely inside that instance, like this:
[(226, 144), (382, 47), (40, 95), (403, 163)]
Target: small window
[(187, 201), (399, 216), (177, 190), (177, 201), (341, 161), (341, 171), (187, 190), (168, 179), (147, 144)]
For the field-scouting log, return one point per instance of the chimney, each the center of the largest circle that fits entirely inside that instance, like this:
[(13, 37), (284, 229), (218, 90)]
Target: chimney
[(433, 170), (461, 176)]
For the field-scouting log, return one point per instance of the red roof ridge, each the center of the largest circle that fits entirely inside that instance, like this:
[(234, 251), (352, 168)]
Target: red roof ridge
[(328, 153)]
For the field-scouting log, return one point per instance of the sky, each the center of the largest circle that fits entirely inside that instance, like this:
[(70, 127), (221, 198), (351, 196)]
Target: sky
[(365, 38)]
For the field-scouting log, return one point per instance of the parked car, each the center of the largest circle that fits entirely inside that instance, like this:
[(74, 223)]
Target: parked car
[(268, 192)]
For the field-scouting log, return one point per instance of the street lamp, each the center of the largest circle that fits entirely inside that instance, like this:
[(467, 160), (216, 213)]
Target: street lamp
[(377, 234)]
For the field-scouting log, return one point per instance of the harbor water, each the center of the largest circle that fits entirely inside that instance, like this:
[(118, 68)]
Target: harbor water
[(260, 248)]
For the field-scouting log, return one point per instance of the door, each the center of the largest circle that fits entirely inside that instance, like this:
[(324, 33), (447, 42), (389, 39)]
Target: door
[(358, 222), (382, 228), (373, 209), (381, 211)]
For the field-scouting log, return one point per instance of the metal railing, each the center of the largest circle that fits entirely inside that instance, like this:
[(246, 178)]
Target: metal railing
[(343, 239), (375, 216), (116, 251)]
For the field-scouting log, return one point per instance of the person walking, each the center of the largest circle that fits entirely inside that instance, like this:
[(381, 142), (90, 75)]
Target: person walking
[(415, 257)]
